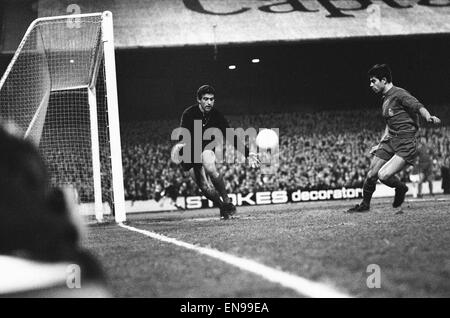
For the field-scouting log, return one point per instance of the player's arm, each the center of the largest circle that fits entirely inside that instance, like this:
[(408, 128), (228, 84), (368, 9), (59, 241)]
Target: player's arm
[(411, 103), (375, 148), (428, 117), (186, 122), (385, 134)]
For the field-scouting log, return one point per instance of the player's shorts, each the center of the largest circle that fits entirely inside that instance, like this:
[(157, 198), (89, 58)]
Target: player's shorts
[(405, 147)]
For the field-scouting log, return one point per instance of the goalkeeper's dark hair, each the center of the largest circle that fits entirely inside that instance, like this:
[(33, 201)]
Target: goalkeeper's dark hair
[(381, 71), (205, 89)]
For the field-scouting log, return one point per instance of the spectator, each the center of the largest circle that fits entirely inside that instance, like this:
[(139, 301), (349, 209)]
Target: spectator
[(425, 164), (39, 231)]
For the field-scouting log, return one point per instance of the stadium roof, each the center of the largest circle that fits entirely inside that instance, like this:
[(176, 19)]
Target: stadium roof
[(168, 23)]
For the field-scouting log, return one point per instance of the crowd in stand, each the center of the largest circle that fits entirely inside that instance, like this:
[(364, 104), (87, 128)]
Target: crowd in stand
[(321, 150)]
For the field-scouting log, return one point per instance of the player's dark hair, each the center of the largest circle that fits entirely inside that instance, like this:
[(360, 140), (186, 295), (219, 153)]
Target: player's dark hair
[(205, 89), (381, 71)]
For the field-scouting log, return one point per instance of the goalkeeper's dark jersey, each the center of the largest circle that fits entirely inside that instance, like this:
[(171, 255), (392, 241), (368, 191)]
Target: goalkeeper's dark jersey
[(401, 111), (212, 119)]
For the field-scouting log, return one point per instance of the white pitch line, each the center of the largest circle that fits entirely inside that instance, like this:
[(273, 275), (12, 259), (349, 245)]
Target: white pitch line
[(426, 200), (301, 285)]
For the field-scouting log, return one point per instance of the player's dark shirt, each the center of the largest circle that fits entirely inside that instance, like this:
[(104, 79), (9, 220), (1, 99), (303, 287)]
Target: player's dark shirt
[(212, 119), (400, 111)]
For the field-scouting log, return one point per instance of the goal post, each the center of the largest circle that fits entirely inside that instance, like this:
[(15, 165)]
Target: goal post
[(113, 113), (60, 89)]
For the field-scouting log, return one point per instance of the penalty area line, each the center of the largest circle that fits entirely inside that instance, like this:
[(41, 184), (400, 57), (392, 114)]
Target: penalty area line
[(301, 285)]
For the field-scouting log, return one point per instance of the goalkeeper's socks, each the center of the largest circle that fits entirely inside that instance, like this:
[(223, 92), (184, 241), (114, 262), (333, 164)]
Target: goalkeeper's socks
[(219, 184), (211, 194), (393, 182), (368, 190)]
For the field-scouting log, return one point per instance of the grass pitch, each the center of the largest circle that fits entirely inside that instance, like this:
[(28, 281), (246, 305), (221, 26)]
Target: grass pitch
[(316, 241)]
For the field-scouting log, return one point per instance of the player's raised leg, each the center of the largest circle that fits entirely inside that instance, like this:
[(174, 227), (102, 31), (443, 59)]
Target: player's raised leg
[(205, 185), (369, 185), (209, 164), (387, 176)]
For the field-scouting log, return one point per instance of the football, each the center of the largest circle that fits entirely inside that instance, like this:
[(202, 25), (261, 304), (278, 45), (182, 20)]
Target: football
[(267, 139)]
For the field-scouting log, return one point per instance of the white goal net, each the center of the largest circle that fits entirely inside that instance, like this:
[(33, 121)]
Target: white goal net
[(60, 89)]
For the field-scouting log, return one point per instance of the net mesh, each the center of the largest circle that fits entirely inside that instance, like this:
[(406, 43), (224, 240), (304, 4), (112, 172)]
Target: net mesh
[(46, 94)]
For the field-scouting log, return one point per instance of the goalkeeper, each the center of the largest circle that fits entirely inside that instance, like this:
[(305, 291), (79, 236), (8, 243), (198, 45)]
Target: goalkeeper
[(203, 169)]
